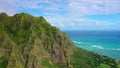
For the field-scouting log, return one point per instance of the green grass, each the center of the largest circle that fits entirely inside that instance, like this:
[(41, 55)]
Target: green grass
[(85, 59), (48, 64), (3, 62)]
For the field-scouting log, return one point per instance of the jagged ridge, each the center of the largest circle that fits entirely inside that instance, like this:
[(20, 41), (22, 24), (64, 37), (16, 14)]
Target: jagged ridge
[(31, 42)]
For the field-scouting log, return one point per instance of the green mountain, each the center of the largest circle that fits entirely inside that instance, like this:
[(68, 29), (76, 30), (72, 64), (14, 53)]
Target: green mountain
[(31, 42)]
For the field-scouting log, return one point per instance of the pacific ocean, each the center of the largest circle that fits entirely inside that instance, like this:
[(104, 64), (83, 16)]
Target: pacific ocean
[(99, 41)]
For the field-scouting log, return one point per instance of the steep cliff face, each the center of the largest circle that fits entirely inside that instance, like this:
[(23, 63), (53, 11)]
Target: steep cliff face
[(31, 42)]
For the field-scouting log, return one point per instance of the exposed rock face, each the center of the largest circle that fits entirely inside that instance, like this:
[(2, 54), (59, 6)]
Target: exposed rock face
[(31, 42)]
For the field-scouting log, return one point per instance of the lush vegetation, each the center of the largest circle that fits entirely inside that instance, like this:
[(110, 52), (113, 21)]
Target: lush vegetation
[(85, 59), (31, 42)]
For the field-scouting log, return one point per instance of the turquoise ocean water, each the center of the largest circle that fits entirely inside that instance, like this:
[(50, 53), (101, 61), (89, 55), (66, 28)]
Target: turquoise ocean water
[(103, 42)]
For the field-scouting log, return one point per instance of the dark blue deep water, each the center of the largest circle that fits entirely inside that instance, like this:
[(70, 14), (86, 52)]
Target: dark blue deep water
[(103, 42)]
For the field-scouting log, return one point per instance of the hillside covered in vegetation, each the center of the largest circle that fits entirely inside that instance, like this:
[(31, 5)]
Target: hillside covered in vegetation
[(31, 42)]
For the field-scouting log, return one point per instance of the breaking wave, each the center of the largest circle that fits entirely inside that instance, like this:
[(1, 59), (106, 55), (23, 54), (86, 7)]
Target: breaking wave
[(96, 46), (77, 42), (100, 47)]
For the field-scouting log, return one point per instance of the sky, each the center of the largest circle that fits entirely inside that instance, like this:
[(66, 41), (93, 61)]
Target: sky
[(70, 14)]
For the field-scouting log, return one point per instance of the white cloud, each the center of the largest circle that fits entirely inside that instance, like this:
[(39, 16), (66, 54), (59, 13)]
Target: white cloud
[(94, 6), (8, 7), (72, 24), (64, 12), (97, 24), (61, 25), (74, 7)]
